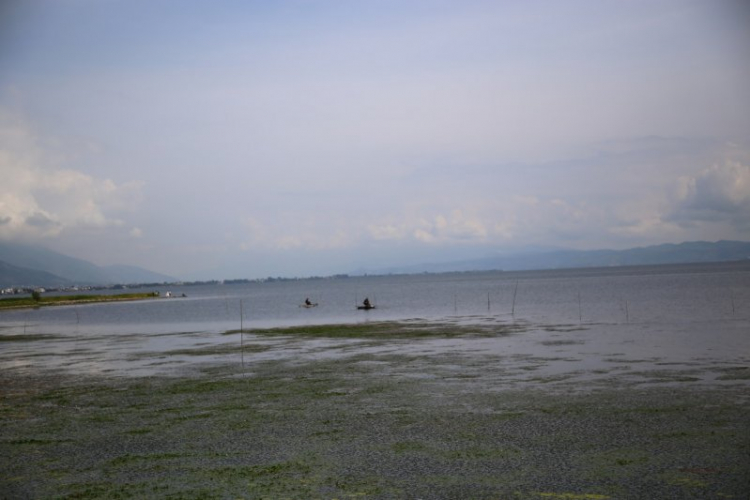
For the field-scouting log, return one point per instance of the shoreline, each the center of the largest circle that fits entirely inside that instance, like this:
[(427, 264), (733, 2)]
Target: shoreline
[(62, 300)]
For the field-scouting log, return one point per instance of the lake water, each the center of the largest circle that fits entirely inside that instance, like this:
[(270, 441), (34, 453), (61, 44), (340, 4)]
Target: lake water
[(681, 312)]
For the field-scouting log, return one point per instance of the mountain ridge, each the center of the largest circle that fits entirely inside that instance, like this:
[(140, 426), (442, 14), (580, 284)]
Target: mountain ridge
[(26, 261), (25, 266), (668, 253), (14, 276)]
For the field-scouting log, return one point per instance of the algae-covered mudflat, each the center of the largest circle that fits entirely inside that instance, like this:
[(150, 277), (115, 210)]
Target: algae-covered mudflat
[(382, 410)]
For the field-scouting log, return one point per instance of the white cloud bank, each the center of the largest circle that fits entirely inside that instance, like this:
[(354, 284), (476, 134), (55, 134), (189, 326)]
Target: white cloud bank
[(720, 193), (40, 198), (711, 203)]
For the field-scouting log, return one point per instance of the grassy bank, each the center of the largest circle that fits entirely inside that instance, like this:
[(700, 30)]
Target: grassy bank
[(64, 300), (367, 425)]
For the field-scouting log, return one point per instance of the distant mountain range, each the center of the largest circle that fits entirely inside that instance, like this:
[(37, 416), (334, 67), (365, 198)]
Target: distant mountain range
[(21, 276), (682, 253), (26, 265)]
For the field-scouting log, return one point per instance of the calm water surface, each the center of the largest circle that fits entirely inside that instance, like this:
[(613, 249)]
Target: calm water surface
[(666, 312), (654, 294)]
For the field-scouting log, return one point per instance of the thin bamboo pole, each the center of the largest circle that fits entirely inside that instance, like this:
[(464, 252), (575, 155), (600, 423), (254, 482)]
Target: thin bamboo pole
[(627, 313), (242, 335)]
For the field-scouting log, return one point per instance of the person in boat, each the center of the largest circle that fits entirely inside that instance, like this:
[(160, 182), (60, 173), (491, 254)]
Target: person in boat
[(366, 303), (307, 302)]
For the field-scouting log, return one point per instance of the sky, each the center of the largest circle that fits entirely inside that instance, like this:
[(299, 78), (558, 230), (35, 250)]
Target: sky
[(245, 139)]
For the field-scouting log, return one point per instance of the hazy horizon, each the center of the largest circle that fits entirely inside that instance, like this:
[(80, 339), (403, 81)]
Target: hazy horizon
[(295, 138)]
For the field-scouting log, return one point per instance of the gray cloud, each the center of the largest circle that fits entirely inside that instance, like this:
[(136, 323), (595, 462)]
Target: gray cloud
[(41, 221)]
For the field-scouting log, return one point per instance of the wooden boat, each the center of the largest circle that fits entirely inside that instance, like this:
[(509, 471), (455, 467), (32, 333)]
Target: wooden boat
[(365, 308), (308, 306)]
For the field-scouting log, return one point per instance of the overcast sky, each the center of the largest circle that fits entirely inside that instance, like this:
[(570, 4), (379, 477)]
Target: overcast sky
[(229, 139)]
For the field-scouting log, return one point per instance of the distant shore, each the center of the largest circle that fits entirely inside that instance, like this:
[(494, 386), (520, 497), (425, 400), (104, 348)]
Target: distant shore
[(70, 300)]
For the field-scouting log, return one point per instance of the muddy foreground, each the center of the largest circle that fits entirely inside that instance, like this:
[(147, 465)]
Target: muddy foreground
[(375, 424)]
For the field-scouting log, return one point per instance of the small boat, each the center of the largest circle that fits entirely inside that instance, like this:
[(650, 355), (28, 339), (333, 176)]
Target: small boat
[(308, 306), (365, 308)]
